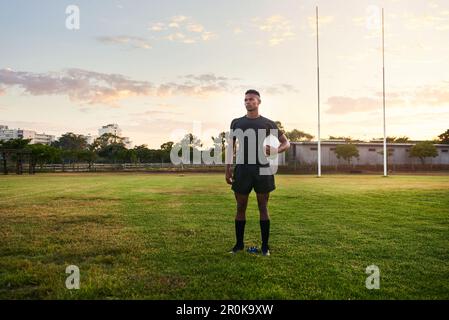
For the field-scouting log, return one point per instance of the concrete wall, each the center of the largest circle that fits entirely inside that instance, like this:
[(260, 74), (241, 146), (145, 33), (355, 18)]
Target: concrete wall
[(369, 154)]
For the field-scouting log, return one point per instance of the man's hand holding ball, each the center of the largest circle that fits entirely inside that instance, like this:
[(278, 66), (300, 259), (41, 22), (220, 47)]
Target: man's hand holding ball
[(270, 151), (228, 176)]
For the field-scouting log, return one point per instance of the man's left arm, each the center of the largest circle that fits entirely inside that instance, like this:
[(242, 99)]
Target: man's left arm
[(285, 144)]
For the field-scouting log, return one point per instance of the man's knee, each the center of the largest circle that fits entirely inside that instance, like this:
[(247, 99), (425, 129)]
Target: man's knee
[(242, 203), (241, 206), (262, 205), (262, 200), (241, 212)]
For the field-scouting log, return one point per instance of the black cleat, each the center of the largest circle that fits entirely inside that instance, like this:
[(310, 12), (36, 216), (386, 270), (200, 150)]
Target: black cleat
[(236, 249), (266, 251)]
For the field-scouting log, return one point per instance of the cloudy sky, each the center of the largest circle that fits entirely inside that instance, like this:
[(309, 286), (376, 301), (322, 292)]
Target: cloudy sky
[(159, 68)]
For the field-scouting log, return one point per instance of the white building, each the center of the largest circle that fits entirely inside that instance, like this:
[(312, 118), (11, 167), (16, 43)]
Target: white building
[(43, 138), (114, 129), (8, 134)]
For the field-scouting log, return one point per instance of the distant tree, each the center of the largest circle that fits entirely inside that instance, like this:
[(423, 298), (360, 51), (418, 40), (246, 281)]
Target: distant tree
[(403, 139), (141, 147), (193, 143), (167, 146), (142, 153), (161, 155), (107, 139), (280, 126), (347, 139), (68, 156), (444, 137), (113, 152), (132, 155), (222, 139), (15, 145), (423, 150), (397, 139), (42, 154), (88, 156), (124, 155), (71, 141), (347, 152), (297, 135)]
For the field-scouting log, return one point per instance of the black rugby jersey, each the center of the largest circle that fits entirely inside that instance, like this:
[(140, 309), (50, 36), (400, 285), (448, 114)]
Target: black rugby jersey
[(254, 124)]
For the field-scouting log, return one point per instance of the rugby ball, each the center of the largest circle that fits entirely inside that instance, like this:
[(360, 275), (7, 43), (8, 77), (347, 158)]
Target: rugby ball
[(273, 142)]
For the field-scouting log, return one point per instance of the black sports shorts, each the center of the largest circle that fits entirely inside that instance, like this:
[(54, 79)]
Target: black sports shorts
[(246, 177)]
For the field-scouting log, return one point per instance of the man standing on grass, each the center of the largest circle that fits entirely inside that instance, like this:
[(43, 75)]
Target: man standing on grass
[(250, 170)]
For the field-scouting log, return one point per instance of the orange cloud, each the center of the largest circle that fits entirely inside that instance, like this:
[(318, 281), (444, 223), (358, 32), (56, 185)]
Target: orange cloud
[(91, 87), (182, 29), (136, 42), (438, 21), (341, 104), (79, 85), (323, 21), (425, 96), (278, 28)]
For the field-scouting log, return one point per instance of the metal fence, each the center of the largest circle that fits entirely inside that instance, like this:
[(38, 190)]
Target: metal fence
[(169, 167), (126, 167)]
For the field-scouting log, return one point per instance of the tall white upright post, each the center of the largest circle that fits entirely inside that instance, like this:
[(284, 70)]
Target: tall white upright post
[(383, 77), (318, 83)]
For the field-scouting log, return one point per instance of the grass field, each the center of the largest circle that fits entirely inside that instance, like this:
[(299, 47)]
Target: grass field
[(166, 236)]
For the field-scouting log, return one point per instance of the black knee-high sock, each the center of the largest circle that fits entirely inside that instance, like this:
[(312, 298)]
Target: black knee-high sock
[(239, 231), (265, 232)]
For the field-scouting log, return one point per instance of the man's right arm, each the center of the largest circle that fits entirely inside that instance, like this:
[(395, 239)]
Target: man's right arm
[(229, 156), (230, 151)]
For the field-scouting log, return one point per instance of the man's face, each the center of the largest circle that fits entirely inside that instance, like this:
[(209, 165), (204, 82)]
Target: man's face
[(251, 101)]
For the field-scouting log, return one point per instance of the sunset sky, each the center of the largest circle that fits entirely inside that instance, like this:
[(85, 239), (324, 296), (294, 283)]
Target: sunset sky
[(160, 67)]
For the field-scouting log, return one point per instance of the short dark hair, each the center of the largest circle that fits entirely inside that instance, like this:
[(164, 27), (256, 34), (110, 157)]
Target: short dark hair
[(253, 92)]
